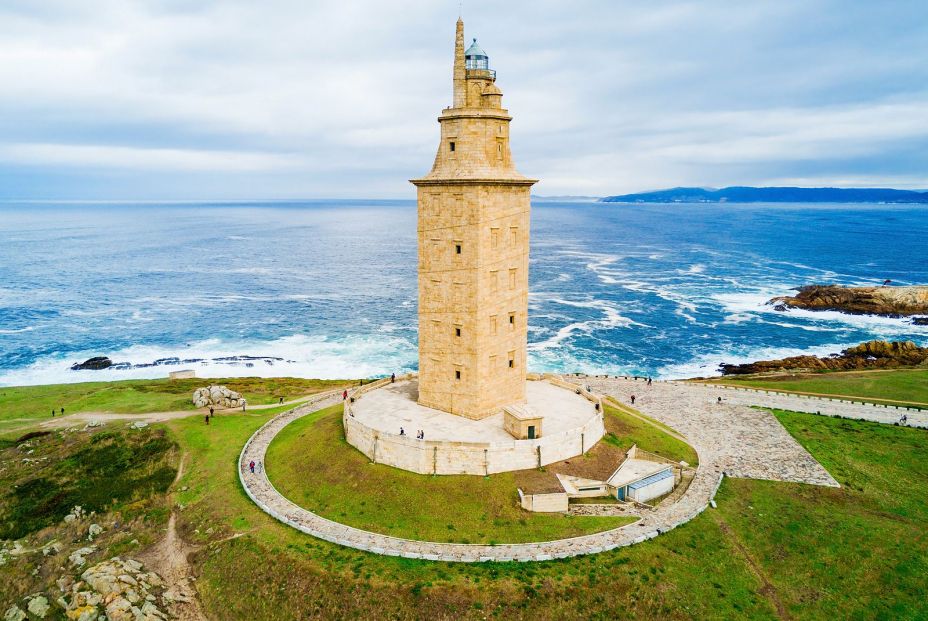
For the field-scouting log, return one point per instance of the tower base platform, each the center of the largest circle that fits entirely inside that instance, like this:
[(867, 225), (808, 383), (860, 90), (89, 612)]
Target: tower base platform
[(572, 424)]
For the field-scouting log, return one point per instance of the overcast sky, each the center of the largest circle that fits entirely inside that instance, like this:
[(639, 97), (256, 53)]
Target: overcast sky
[(178, 99)]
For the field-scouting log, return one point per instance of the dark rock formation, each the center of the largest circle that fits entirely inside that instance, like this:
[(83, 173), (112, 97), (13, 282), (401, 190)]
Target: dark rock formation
[(869, 355), (920, 321), (888, 301), (93, 364)]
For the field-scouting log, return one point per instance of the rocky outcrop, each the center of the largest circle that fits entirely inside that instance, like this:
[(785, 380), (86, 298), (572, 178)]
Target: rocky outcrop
[(120, 589), (97, 363), (889, 301), (219, 396), (869, 355)]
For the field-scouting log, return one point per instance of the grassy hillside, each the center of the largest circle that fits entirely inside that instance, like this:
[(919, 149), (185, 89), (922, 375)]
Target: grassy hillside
[(895, 386), (769, 551)]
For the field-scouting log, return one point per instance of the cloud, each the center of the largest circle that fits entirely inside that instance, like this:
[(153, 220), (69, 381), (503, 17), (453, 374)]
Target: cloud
[(294, 98)]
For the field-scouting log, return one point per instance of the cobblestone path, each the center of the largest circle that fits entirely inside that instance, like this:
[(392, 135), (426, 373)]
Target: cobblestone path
[(734, 438), (730, 438)]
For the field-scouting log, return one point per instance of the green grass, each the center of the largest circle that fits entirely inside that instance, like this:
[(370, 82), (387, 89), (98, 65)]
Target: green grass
[(771, 550), (813, 553), (311, 463), (20, 406), (858, 552), (893, 386), (102, 472), (626, 430)]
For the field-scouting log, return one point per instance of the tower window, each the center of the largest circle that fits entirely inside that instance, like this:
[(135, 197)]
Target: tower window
[(512, 278), (512, 319), (451, 145), (512, 360), (457, 249), (457, 331), (457, 375), (494, 238), (492, 324)]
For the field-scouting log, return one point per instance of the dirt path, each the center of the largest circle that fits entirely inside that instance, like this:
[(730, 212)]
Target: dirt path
[(82, 418), (168, 558), (767, 589)]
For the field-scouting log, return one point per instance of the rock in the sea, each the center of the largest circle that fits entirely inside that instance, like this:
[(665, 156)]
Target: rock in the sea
[(96, 363), (888, 301), (920, 321), (216, 396), (869, 355)]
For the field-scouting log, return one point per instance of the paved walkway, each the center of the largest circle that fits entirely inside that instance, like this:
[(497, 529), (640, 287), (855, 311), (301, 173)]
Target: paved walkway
[(846, 407), (665, 517), (739, 440), (731, 438)]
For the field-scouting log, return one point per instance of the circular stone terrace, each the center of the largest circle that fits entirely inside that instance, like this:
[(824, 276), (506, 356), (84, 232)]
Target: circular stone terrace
[(572, 422), (730, 438)]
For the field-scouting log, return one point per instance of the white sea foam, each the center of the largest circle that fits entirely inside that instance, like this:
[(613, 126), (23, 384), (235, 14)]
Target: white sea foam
[(17, 330), (755, 303), (303, 356), (611, 319)]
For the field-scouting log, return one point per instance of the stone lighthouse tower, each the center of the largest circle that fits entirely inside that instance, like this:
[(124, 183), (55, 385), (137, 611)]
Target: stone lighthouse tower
[(473, 236)]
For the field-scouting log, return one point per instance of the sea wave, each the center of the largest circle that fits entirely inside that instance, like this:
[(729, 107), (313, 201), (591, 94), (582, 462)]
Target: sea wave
[(301, 355)]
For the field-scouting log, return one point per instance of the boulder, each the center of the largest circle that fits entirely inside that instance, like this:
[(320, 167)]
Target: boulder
[(39, 606), (216, 396)]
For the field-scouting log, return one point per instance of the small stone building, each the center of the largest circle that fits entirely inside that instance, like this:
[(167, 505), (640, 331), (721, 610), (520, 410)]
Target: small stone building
[(522, 422)]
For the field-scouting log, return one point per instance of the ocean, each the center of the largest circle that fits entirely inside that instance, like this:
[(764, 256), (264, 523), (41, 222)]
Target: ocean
[(327, 288)]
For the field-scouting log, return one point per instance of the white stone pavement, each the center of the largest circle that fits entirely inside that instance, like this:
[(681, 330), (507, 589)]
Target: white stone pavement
[(730, 438)]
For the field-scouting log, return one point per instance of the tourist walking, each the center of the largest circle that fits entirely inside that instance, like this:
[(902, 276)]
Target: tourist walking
[(243, 406), (210, 411), (633, 399), (62, 411), (402, 431), (252, 466), (345, 395), (53, 412), (206, 419), (281, 401), (392, 378)]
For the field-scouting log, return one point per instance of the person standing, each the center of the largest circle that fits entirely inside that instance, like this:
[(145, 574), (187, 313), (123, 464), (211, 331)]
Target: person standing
[(210, 411), (53, 412), (392, 378), (206, 419), (633, 399), (345, 395), (62, 411), (252, 466), (243, 406)]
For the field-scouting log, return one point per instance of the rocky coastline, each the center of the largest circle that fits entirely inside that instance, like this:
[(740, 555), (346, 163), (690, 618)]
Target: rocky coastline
[(869, 355), (887, 301)]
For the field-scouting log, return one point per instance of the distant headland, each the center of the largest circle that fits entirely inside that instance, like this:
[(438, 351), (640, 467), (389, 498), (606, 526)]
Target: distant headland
[(746, 194)]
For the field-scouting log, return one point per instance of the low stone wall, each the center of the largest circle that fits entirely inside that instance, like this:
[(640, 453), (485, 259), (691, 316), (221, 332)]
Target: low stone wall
[(479, 458), (698, 495)]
